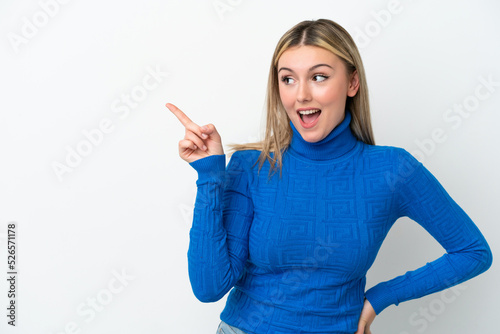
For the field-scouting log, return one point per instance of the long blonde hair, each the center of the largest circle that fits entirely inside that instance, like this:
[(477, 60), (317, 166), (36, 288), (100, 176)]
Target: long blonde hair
[(331, 36)]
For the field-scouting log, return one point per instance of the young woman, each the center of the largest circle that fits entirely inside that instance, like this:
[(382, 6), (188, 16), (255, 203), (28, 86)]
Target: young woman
[(295, 247)]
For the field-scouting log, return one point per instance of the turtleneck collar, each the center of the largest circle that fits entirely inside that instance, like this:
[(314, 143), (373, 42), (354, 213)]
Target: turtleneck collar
[(338, 142)]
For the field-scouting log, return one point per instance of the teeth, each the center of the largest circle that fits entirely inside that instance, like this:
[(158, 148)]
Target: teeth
[(307, 112)]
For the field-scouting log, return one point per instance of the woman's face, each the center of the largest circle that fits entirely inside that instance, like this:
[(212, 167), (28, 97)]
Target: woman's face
[(313, 78)]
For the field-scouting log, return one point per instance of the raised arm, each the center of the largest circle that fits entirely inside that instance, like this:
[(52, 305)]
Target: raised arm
[(223, 213), (423, 199)]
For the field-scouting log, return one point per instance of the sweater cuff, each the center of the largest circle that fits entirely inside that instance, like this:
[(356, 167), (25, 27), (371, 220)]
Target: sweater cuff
[(211, 168), (380, 297)]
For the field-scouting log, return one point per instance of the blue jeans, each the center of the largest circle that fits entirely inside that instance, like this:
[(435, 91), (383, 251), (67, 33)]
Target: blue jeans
[(228, 329)]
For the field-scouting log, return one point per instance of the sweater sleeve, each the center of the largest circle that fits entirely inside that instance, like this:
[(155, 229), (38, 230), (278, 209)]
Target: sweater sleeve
[(423, 199), (223, 212)]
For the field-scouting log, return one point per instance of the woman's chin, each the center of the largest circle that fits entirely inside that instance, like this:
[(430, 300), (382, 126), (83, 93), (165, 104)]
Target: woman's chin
[(311, 136)]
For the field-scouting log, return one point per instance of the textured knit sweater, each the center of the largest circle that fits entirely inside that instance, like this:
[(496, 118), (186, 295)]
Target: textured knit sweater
[(295, 250)]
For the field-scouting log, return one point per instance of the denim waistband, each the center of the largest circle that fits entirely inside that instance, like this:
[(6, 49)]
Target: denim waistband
[(225, 328)]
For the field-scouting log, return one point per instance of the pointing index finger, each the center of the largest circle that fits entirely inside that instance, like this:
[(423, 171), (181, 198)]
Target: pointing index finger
[(179, 114)]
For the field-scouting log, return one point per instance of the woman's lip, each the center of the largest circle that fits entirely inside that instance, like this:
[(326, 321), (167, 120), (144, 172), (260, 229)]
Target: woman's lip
[(303, 109), (308, 125)]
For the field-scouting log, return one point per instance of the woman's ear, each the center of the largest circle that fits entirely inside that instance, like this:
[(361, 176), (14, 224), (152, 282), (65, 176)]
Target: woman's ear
[(353, 87)]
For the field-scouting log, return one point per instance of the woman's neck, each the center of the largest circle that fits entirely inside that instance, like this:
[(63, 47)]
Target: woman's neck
[(337, 143)]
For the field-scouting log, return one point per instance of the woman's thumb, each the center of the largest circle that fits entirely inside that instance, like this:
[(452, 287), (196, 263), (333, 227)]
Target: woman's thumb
[(209, 129), (361, 327)]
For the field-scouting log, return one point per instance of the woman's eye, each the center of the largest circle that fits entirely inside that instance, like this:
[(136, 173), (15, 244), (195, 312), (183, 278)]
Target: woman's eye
[(320, 77), (287, 80)]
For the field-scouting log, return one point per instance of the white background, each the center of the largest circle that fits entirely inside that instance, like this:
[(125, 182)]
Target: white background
[(127, 205)]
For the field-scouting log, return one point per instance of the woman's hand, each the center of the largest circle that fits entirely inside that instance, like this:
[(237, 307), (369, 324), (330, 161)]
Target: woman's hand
[(191, 147), (366, 318)]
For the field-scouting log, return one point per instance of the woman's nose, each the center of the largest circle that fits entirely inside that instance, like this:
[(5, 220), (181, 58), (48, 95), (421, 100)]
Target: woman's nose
[(303, 93)]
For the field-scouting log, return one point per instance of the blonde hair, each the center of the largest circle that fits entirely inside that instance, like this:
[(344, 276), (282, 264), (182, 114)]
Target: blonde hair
[(331, 36)]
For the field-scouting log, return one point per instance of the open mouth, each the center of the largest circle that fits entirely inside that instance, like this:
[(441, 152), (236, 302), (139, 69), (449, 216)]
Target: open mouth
[(308, 117)]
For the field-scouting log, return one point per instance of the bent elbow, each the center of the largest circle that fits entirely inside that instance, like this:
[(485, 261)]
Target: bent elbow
[(208, 289), (483, 258), (207, 296), (487, 259), (476, 260)]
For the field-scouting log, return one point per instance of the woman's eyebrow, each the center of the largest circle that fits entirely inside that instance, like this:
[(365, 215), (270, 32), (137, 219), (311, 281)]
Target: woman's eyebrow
[(312, 68)]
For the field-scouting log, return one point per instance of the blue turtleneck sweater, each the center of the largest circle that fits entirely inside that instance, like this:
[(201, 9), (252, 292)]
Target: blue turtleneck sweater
[(295, 250)]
